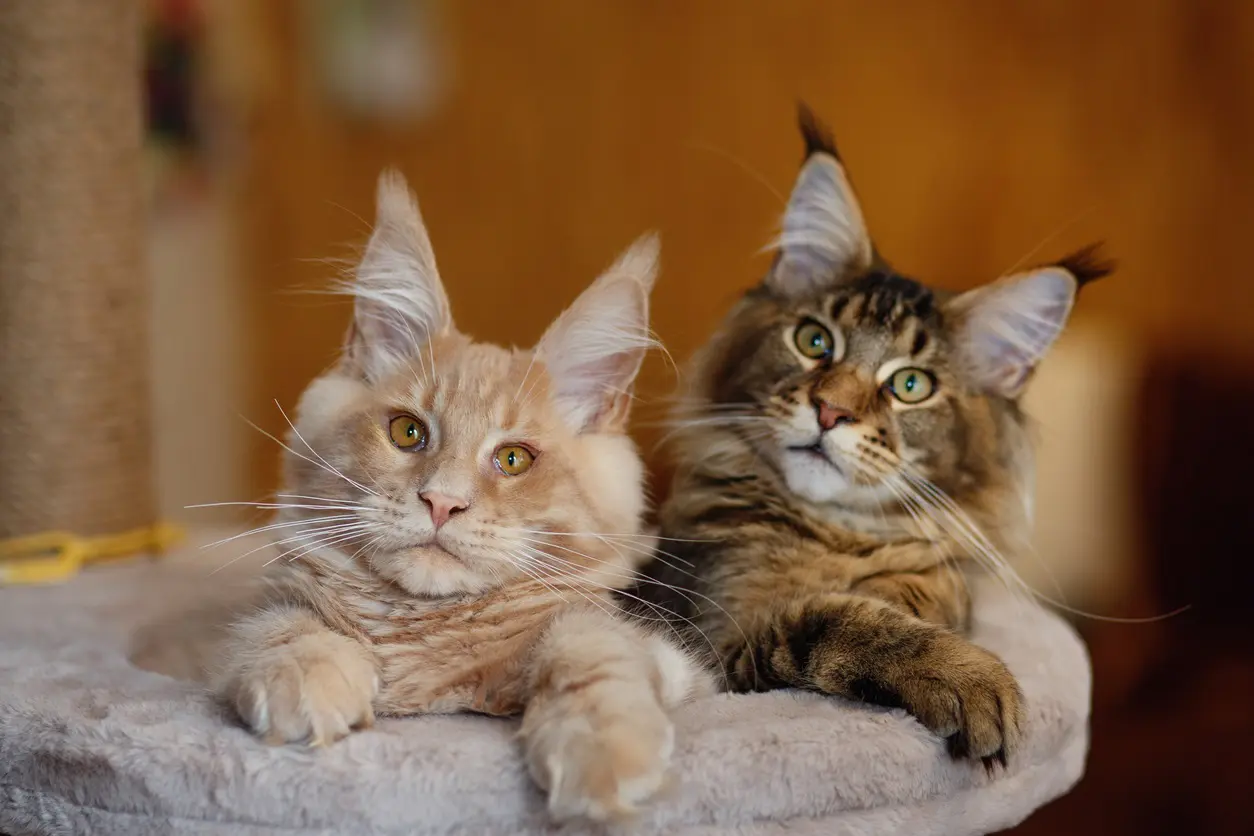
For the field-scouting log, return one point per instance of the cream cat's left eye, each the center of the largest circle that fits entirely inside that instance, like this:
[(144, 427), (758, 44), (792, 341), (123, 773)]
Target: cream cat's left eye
[(514, 460), (407, 432), (911, 385)]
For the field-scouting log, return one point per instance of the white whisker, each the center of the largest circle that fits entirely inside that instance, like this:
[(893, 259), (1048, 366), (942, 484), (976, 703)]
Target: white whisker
[(328, 529), (281, 506), (331, 467), (656, 608), (306, 458), (272, 526)]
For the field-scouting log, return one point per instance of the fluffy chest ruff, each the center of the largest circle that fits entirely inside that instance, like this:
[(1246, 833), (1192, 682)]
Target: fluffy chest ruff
[(438, 655)]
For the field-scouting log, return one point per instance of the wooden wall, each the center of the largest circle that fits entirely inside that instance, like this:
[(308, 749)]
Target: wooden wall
[(980, 134)]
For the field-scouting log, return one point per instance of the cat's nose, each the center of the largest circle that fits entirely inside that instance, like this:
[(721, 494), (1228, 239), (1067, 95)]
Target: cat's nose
[(832, 416), (442, 506)]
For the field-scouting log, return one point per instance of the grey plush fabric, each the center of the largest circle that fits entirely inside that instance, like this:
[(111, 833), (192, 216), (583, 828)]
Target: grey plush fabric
[(91, 744)]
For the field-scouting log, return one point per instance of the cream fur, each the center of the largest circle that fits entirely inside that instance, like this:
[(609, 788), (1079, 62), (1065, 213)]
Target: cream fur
[(500, 604)]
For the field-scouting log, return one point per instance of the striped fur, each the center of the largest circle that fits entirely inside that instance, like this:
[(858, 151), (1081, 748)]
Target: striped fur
[(832, 556)]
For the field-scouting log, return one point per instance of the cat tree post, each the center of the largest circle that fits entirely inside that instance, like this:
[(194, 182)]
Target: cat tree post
[(75, 453)]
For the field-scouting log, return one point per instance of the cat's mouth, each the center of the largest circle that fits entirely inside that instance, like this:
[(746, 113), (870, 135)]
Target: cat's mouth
[(816, 452), (433, 546)]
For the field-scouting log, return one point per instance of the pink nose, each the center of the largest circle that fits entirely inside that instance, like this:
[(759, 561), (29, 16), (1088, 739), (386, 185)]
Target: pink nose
[(832, 416), (442, 506)]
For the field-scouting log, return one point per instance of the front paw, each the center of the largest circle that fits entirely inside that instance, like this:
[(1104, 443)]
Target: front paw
[(314, 689), (969, 697), (599, 767)]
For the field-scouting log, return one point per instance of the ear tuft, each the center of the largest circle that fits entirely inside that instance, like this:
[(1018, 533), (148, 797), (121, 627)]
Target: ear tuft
[(400, 303), (818, 137), (593, 351), (1088, 264), (824, 239)]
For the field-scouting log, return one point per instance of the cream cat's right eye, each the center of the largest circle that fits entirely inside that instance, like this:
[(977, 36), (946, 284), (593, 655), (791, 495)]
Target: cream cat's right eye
[(407, 432), (813, 340)]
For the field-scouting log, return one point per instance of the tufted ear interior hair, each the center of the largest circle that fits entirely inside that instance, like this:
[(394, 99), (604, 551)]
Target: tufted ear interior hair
[(824, 237), (1004, 329), (399, 300), (593, 351)]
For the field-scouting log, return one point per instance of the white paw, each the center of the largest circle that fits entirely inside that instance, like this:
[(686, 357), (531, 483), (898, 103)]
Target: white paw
[(314, 689), (601, 767)]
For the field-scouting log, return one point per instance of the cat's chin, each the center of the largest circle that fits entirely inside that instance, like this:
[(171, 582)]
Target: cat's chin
[(813, 477), (431, 572)]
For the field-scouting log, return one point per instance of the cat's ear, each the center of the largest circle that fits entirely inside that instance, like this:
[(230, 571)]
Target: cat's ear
[(824, 238), (593, 351), (1003, 330), (399, 301)]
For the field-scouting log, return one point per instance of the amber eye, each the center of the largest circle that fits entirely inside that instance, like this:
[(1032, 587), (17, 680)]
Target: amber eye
[(813, 340), (912, 385), (408, 433), (513, 460)]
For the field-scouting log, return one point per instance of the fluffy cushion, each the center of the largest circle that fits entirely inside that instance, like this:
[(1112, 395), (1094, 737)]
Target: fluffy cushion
[(91, 744)]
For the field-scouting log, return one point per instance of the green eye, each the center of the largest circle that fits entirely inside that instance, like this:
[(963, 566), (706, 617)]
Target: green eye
[(813, 340), (912, 385)]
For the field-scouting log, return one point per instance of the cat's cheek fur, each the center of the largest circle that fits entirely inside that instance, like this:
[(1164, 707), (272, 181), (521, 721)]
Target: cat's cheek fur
[(611, 475), (327, 403)]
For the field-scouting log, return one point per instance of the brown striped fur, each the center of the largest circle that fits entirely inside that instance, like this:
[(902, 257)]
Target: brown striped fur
[(500, 603), (824, 558)]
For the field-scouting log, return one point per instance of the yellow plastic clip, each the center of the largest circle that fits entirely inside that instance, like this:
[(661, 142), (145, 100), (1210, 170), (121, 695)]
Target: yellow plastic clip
[(55, 556)]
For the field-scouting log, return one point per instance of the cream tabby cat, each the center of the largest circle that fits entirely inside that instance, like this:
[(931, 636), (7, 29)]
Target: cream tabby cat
[(439, 491)]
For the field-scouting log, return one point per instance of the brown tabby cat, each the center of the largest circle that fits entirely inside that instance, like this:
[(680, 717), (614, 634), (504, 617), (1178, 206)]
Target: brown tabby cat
[(459, 514), (853, 438)]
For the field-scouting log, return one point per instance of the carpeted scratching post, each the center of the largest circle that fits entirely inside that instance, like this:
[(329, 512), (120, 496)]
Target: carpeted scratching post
[(75, 452)]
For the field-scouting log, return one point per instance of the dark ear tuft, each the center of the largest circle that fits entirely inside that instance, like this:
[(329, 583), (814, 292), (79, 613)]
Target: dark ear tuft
[(818, 137), (1087, 264)]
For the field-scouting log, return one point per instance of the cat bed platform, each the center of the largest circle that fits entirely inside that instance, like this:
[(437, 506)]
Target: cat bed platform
[(90, 744)]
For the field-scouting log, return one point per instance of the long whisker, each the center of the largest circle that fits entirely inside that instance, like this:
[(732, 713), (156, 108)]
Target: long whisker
[(323, 543), (311, 531), (660, 555), (272, 526), (733, 423), (964, 530), (330, 470), (281, 505), (684, 592), (331, 467), (656, 608), (601, 534), (327, 499), (526, 374), (525, 564), (742, 165)]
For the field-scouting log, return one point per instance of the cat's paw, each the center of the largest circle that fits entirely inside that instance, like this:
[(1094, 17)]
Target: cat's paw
[(600, 767), (969, 697), (314, 689)]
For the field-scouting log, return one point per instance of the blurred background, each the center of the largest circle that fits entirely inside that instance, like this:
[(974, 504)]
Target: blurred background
[(542, 137)]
